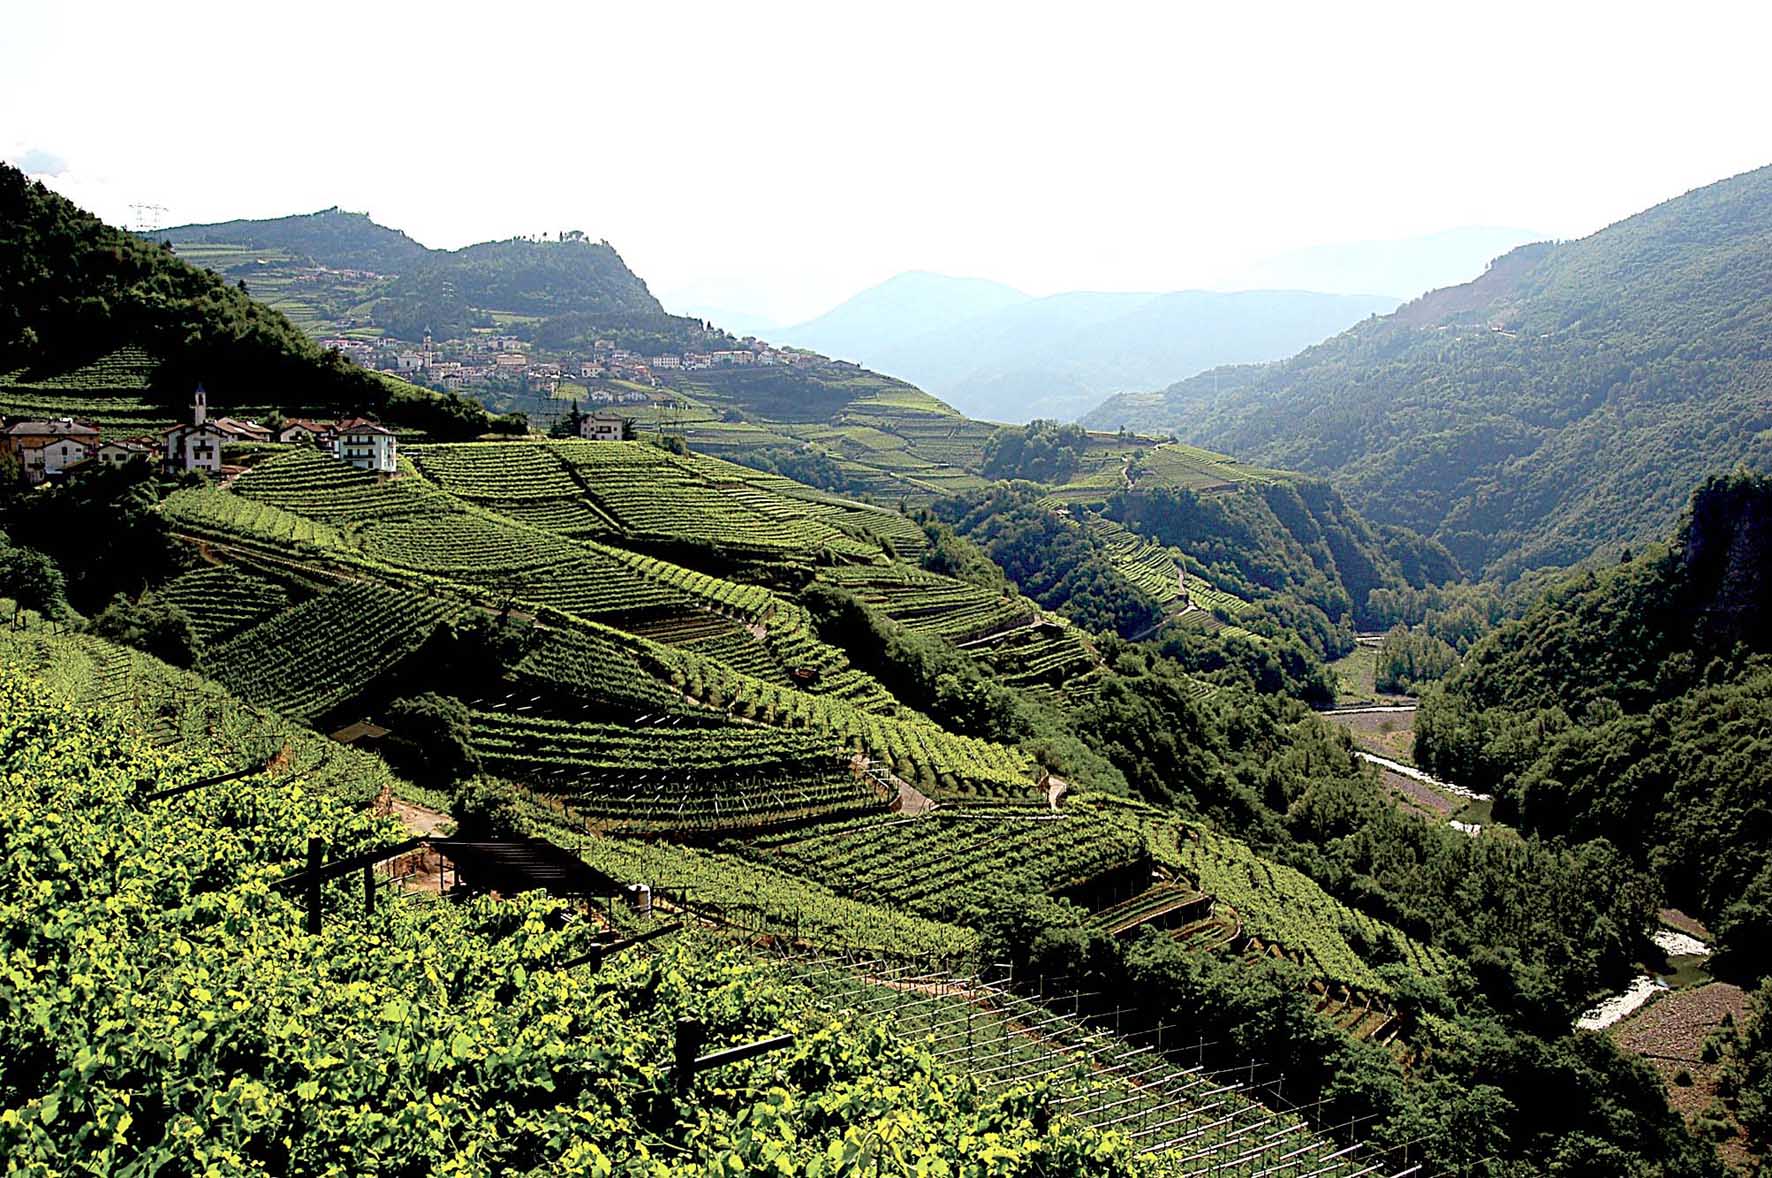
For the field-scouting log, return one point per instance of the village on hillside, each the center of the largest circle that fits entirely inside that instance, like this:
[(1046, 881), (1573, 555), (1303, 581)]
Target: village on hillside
[(485, 361), (48, 450)]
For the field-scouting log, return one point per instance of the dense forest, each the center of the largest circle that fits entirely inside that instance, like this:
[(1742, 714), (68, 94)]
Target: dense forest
[(1566, 400), (1634, 705), (1291, 541)]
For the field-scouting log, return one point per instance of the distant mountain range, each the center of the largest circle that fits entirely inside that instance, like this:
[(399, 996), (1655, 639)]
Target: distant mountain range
[(996, 353), (1568, 398)]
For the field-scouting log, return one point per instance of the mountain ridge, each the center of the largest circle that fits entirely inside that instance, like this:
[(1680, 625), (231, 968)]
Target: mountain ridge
[(575, 286), (1533, 415)]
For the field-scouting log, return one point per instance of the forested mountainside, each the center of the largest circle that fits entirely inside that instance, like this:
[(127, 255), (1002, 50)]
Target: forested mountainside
[(1004, 356), (1566, 400), (563, 292), (1129, 540), (1634, 705), (97, 322)]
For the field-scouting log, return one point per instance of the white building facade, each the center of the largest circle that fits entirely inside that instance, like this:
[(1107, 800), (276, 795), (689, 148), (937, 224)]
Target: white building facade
[(366, 446), (602, 427)]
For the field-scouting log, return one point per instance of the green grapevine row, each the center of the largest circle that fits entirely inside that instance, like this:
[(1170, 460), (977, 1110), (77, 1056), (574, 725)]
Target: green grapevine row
[(951, 868), (221, 600), (309, 659)]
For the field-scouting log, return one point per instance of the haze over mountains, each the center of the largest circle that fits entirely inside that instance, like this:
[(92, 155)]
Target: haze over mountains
[(996, 353), (999, 353), (1569, 398), (1404, 268)]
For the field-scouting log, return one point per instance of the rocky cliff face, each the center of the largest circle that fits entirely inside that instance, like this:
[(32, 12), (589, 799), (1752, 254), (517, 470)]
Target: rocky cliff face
[(1726, 556)]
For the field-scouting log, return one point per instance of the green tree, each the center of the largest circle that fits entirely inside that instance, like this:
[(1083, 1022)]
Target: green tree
[(1040, 451), (33, 582), (159, 628), (484, 809), (430, 739)]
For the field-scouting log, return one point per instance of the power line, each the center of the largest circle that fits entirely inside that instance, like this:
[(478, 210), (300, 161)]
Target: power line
[(148, 216)]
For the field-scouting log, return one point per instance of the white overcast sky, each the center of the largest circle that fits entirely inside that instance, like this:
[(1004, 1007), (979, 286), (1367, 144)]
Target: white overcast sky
[(775, 158)]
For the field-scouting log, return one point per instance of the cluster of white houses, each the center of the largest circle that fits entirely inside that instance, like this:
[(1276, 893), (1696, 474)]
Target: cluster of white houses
[(481, 360), (48, 449)]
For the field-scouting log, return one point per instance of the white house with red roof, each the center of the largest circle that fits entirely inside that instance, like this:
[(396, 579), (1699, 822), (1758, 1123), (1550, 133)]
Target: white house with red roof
[(302, 431), (242, 431), (366, 446), (126, 450), (602, 427)]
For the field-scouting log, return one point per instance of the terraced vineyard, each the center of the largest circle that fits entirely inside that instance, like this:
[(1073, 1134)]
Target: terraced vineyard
[(1165, 902), (527, 483), (928, 603), (651, 495), (214, 514), (283, 281), (221, 600), (892, 440), (732, 438), (110, 392), (755, 898), (413, 526), (1090, 488), (500, 559), (717, 637), (1284, 907), (178, 710), (598, 666), (622, 778), (1139, 559), (314, 484), (1176, 464), (912, 747), (310, 659), (498, 472), (1046, 660), (953, 867), (769, 668)]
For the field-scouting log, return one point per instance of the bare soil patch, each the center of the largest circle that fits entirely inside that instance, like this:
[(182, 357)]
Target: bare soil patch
[(1690, 925), (1669, 1034), (1417, 797), (1389, 734), (420, 820)]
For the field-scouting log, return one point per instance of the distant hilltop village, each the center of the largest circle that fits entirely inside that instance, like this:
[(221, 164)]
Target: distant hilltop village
[(484, 361)]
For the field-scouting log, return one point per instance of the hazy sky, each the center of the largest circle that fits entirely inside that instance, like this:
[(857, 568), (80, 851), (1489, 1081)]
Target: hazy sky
[(776, 158)]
